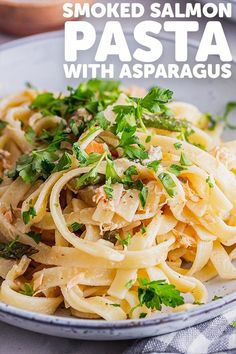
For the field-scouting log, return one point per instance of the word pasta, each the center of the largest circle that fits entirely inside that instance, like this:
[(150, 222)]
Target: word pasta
[(81, 36)]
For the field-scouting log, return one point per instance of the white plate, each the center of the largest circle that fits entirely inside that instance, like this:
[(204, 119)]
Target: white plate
[(39, 59)]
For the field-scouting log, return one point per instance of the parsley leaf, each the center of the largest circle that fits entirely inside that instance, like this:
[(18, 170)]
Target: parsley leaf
[(64, 163), (27, 290), (101, 121), (91, 176), (156, 99), (15, 250), (35, 236), (128, 174), (209, 182), (111, 172), (27, 214), (168, 183), (129, 284), (108, 188), (30, 135), (216, 298), (41, 163), (3, 124), (125, 241), (143, 229), (94, 95), (177, 146), (76, 226), (176, 169), (142, 315), (228, 109), (131, 145), (80, 155), (184, 160), (154, 165), (156, 293), (143, 196)]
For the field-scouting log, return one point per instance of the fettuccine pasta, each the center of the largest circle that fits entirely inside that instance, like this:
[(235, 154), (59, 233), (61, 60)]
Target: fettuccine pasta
[(113, 206)]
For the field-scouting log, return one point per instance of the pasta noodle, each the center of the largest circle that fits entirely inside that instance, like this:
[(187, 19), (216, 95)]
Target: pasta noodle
[(112, 206)]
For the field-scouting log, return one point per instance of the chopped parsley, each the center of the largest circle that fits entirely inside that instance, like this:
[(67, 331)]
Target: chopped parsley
[(143, 229), (233, 324), (42, 162), (75, 227), (184, 160), (80, 155), (143, 196), (168, 183), (156, 293), (177, 146), (36, 236), (91, 176), (176, 169), (154, 165), (125, 241), (128, 174), (216, 298), (15, 250), (27, 290), (142, 315), (108, 188), (129, 284), (209, 182), (94, 95), (114, 305), (26, 215), (3, 124), (30, 135), (212, 122), (64, 163), (131, 145), (111, 172)]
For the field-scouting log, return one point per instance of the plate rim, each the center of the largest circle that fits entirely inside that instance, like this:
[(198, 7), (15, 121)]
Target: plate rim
[(77, 323)]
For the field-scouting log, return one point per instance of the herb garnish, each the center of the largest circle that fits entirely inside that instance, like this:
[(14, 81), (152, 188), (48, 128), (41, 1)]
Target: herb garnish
[(176, 169), (168, 183), (36, 236), (142, 315), (143, 229), (129, 284), (184, 160), (156, 293), (209, 182), (108, 188), (3, 124), (91, 176), (177, 146), (143, 196), (154, 165), (27, 290), (27, 214), (15, 250), (76, 226), (125, 241), (94, 96)]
